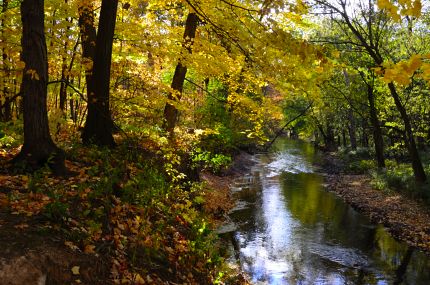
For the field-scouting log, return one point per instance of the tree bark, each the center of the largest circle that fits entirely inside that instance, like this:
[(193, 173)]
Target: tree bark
[(38, 147), (5, 114), (330, 141), (170, 111), (352, 129), (377, 133), (88, 39), (99, 124), (420, 175)]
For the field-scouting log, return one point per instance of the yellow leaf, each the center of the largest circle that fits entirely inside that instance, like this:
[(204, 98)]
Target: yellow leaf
[(89, 248), (138, 279), (75, 270)]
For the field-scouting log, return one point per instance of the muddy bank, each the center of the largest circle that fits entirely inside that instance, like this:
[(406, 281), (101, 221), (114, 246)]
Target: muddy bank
[(32, 253), (218, 198), (219, 201), (404, 218)]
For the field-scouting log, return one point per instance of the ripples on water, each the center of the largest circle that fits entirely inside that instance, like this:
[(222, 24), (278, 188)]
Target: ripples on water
[(290, 231)]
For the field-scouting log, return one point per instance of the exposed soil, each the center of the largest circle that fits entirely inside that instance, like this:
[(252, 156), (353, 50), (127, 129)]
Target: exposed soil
[(219, 200), (33, 253), (405, 219)]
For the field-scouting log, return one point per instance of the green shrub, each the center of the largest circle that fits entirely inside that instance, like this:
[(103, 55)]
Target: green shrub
[(10, 134), (210, 161)]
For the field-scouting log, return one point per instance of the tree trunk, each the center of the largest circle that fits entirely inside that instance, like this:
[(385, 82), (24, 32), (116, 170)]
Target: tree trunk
[(38, 147), (420, 175), (99, 124), (364, 137), (63, 85), (377, 133), (352, 129), (344, 137), (330, 141), (170, 111), (88, 38), (5, 114)]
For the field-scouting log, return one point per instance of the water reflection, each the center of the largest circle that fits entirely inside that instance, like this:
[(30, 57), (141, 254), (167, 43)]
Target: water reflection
[(291, 231)]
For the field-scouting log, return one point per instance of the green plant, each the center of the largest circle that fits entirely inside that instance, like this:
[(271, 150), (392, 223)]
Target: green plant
[(208, 160)]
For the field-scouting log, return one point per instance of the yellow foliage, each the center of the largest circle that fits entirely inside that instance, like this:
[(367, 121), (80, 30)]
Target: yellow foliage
[(402, 7), (402, 71)]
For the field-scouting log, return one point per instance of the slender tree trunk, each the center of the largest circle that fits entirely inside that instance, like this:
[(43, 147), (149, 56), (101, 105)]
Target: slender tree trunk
[(330, 141), (170, 111), (63, 85), (344, 137), (352, 129), (377, 133), (5, 114), (88, 38), (38, 147), (420, 175), (401, 270), (98, 126), (364, 136)]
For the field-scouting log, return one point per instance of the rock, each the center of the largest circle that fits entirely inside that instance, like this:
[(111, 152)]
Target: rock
[(22, 270)]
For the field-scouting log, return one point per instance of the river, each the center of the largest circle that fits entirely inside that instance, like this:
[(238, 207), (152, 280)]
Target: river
[(288, 229)]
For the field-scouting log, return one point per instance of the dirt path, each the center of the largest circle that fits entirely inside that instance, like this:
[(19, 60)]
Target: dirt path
[(404, 218), (33, 253)]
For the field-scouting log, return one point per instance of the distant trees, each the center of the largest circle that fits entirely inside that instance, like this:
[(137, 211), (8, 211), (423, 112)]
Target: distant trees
[(368, 31)]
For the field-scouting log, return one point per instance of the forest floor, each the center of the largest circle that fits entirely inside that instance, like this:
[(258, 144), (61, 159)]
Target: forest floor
[(406, 219), (39, 246)]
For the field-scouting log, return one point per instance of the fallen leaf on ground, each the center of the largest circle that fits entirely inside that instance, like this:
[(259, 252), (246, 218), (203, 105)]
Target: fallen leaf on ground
[(75, 270)]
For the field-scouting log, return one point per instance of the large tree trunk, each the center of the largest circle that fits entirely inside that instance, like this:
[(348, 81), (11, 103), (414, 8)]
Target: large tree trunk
[(38, 147), (170, 111), (377, 133), (420, 175), (99, 124)]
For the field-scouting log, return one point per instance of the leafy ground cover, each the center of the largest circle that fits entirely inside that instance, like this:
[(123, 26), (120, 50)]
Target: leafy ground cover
[(406, 217), (122, 216)]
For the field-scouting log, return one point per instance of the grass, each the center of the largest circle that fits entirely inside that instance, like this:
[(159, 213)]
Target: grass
[(397, 176)]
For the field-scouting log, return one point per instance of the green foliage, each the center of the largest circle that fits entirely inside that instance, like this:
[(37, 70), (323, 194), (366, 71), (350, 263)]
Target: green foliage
[(358, 161), (10, 134), (210, 161), (147, 186), (399, 177), (361, 166)]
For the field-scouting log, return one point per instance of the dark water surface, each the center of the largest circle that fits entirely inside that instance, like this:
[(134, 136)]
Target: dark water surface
[(289, 230)]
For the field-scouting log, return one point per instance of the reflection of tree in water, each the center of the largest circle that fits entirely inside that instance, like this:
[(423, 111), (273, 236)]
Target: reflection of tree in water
[(316, 208), (401, 270), (313, 216)]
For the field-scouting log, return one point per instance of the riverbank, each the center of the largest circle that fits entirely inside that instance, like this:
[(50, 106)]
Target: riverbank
[(76, 230), (405, 219), (219, 201)]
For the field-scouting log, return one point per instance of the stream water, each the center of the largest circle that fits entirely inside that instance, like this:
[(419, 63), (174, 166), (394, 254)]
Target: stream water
[(287, 229)]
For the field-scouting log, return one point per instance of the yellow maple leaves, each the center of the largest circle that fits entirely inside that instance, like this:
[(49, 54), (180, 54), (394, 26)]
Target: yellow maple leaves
[(403, 8), (403, 71)]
